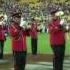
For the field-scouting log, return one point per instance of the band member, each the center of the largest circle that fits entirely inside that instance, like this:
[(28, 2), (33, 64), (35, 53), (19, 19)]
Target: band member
[(18, 37), (34, 36), (2, 36), (57, 41)]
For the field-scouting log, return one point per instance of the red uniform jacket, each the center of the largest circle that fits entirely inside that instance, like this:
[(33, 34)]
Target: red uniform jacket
[(18, 37), (33, 31), (2, 33), (57, 35)]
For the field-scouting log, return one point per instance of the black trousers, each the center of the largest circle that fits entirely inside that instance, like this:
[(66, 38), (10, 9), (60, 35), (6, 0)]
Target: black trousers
[(1, 49), (19, 60), (34, 46), (58, 51)]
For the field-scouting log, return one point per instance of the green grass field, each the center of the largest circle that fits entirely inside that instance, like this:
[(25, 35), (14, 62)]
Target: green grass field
[(43, 45)]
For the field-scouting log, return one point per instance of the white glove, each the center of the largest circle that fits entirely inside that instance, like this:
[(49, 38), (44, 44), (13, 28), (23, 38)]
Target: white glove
[(67, 27), (62, 21), (0, 23), (28, 26)]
